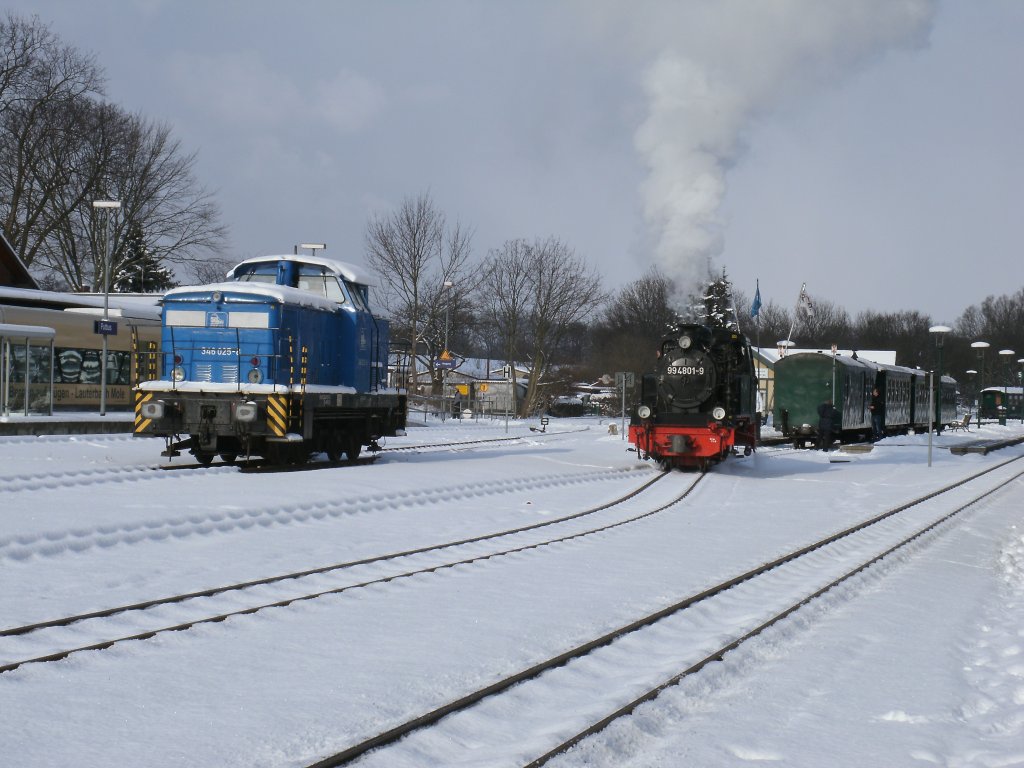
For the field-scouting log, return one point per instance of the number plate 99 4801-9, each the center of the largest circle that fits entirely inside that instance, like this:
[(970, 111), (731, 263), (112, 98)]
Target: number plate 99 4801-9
[(685, 370)]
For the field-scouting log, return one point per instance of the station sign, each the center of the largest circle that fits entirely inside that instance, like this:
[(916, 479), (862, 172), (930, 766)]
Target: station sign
[(105, 327)]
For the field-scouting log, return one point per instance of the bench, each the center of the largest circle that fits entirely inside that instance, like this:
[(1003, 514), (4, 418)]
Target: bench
[(964, 425)]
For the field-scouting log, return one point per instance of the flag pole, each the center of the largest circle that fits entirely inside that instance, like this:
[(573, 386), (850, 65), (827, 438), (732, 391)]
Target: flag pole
[(792, 325), (755, 313)]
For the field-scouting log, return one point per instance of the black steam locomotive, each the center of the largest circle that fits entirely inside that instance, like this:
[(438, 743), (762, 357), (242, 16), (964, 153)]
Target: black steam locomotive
[(700, 404)]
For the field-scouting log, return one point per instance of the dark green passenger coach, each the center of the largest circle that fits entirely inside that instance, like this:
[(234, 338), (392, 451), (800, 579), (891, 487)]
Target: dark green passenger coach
[(805, 380)]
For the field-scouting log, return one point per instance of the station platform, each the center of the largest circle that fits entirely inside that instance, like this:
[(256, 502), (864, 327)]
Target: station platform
[(984, 446), (68, 423)]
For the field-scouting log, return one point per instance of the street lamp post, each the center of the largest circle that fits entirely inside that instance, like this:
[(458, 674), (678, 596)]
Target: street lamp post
[(107, 207), (935, 399), (444, 371), (835, 350), (974, 386), (1006, 355), (1020, 378), (981, 346)]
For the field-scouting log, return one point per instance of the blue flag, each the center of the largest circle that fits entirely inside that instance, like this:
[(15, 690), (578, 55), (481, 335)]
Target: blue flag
[(755, 308)]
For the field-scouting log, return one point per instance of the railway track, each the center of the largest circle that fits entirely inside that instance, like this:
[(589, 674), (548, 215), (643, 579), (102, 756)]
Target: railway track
[(657, 651), (207, 604), (89, 477), (261, 466), (21, 547)]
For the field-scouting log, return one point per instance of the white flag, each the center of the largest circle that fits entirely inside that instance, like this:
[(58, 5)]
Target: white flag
[(805, 300)]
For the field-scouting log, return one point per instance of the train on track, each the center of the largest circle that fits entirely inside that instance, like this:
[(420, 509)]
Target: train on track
[(699, 406), (77, 356), (805, 380), (282, 360), (1002, 403)]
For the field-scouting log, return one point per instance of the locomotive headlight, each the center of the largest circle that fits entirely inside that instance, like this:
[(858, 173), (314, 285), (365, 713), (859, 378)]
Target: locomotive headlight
[(685, 342), (255, 376), (245, 412), (154, 409), (644, 411), (718, 413), (178, 374)]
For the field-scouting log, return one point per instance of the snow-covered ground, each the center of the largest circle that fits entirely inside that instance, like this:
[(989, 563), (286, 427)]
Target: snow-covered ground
[(916, 662)]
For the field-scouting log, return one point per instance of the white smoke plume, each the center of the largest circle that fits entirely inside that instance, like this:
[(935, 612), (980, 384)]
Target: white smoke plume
[(716, 67)]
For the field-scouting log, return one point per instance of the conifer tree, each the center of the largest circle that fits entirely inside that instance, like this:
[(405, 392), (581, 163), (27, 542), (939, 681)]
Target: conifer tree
[(716, 307), (137, 271)]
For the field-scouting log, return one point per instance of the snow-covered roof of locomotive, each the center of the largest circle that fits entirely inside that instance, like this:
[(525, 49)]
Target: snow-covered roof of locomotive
[(343, 269), (282, 293)]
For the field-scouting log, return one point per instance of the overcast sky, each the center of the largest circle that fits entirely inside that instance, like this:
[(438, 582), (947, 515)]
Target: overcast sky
[(870, 148)]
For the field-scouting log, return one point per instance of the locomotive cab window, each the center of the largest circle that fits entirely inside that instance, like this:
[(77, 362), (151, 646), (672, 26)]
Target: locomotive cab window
[(257, 273), (359, 297), (322, 282)]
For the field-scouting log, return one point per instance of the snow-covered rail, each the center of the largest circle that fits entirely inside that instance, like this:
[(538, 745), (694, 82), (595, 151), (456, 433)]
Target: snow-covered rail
[(580, 691), (261, 466), (56, 639)]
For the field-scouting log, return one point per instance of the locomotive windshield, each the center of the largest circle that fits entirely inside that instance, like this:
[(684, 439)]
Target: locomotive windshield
[(306, 277), (320, 281), (257, 273)]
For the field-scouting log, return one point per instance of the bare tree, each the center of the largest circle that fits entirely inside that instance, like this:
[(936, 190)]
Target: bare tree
[(905, 332), (138, 163), (211, 270), (423, 265), (999, 320), (43, 84), (643, 307), (634, 321), (770, 326), (61, 147), (826, 324), (504, 293), (536, 293)]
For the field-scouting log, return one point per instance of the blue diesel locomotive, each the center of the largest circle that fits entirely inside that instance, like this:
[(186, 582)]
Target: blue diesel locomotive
[(282, 360)]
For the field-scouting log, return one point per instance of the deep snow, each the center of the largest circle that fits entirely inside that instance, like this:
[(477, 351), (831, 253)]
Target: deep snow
[(918, 662)]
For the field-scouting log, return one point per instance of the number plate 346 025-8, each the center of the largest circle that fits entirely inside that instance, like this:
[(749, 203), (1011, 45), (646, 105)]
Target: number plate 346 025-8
[(218, 351)]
